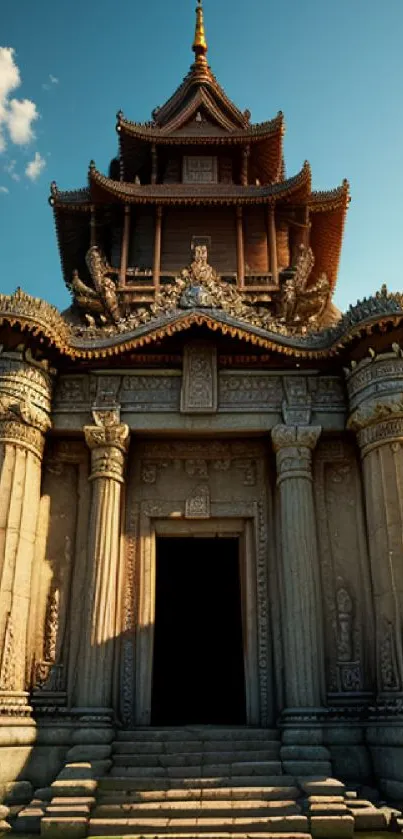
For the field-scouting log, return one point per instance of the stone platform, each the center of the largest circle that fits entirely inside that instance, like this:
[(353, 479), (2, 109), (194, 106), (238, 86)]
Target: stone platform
[(196, 781)]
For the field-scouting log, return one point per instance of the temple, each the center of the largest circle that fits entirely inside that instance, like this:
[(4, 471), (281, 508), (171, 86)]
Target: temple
[(201, 503)]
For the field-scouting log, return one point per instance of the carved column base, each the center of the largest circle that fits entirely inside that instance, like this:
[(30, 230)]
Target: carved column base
[(15, 703)]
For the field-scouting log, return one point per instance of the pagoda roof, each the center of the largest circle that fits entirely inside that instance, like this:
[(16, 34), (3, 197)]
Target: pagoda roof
[(153, 133), (265, 141), (201, 83), (327, 210), (104, 189), (199, 112)]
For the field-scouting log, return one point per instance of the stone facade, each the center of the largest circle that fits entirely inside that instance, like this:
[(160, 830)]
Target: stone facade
[(192, 405), (305, 471)]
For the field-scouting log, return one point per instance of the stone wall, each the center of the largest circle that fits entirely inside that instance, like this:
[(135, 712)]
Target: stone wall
[(308, 477)]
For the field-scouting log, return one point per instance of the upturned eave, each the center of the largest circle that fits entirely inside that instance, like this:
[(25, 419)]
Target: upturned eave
[(40, 321), (103, 189)]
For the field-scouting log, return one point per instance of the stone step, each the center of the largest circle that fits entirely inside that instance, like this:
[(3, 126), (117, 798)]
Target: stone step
[(196, 809), (196, 758), (270, 793), (274, 824), (137, 782), (202, 733), (321, 768), (314, 786), (106, 830), (367, 818), (229, 770), (147, 747)]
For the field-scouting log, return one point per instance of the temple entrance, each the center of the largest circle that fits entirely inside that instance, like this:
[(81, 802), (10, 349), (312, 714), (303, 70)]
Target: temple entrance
[(198, 663)]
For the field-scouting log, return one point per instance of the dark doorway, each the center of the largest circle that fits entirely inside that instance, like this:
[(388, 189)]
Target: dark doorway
[(198, 673)]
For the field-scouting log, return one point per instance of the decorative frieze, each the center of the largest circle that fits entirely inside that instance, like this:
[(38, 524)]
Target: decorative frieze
[(250, 392), (154, 392)]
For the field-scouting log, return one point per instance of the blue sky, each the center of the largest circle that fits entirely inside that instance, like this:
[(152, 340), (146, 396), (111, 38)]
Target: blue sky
[(335, 67)]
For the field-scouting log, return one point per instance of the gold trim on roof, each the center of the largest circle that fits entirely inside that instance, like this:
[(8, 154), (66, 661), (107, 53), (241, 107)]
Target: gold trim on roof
[(43, 321), (200, 42)]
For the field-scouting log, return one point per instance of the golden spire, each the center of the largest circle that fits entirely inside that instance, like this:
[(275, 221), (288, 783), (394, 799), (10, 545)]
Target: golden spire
[(200, 42)]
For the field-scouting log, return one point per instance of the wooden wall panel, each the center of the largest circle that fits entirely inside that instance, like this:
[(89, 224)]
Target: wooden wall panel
[(141, 237), (180, 224), (255, 237)]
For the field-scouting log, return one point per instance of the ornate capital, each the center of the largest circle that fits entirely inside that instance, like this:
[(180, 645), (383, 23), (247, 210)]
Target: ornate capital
[(375, 389), (109, 442), (380, 433), (293, 445), (25, 400), (25, 436)]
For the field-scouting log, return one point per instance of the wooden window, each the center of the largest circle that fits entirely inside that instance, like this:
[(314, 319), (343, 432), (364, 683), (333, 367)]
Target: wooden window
[(199, 170)]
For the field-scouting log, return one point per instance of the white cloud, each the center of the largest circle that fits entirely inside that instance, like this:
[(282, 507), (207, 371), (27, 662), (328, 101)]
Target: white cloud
[(9, 73), (10, 169), (4, 190), (52, 80), (35, 167), (21, 114), (16, 115)]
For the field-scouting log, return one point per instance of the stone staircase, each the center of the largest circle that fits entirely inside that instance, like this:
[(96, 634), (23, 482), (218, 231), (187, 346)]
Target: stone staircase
[(196, 783), (187, 782)]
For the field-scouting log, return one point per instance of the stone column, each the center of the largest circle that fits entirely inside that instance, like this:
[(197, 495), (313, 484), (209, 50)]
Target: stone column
[(301, 607), (108, 441), (25, 393), (375, 388)]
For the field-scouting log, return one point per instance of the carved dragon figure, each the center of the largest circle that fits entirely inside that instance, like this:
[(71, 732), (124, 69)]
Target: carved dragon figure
[(102, 299), (299, 304)]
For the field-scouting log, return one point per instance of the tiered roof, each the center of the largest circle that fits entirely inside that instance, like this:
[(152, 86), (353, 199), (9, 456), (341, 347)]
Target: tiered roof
[(199, 113)]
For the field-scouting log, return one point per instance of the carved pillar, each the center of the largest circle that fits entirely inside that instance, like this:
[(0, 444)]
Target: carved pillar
[(154, 164), (301, 619), (273, 246), (108, 441), (93, 227), (375, 389), (240, 248), (25, 393), (124, 257), (245, 165), (157, 247)]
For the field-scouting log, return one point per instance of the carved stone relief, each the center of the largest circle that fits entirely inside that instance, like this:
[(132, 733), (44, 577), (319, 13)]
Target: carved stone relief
[(58, 581), (199, 380), (297, 401), (249, 392), (388, 658), (344, 564), (197, 505)]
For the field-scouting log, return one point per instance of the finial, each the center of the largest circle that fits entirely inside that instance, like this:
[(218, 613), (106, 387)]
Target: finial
[(200, 43)]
